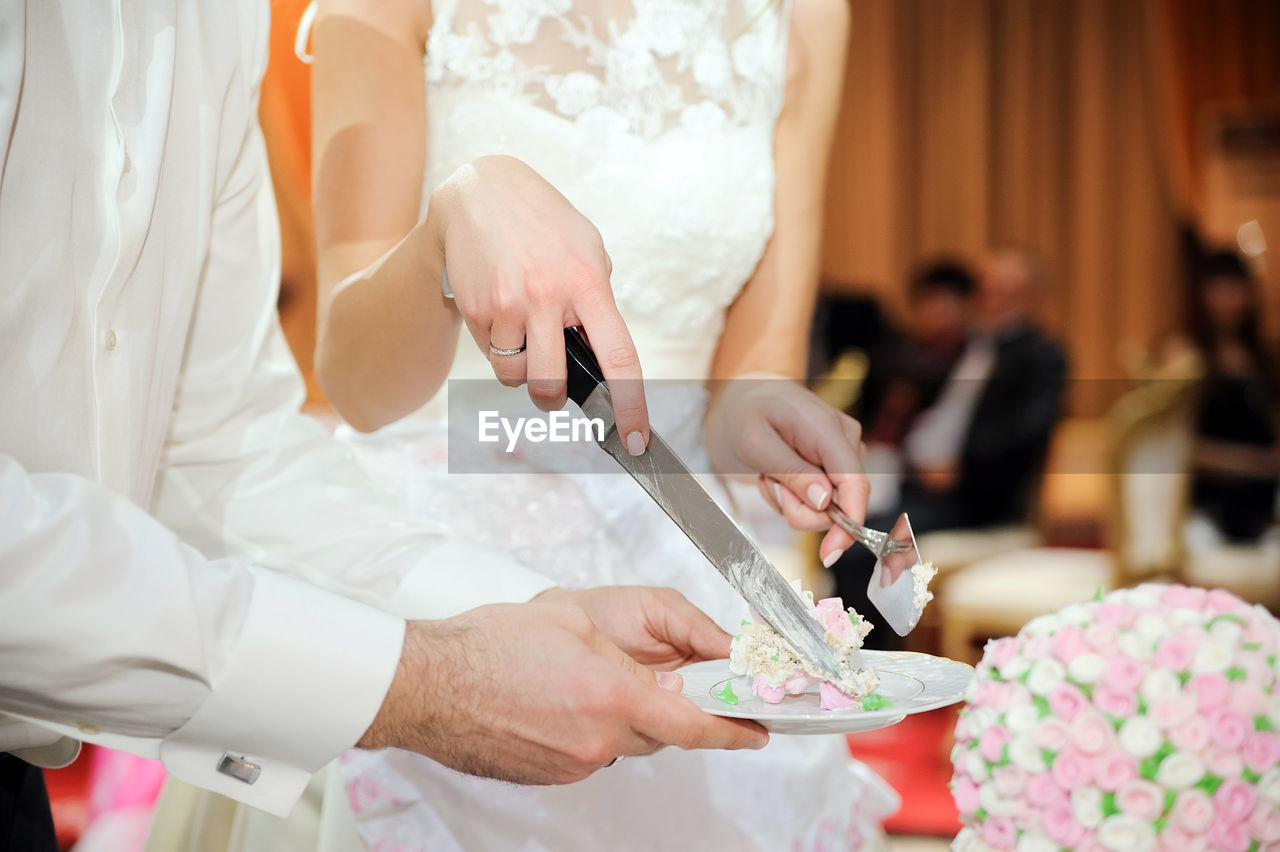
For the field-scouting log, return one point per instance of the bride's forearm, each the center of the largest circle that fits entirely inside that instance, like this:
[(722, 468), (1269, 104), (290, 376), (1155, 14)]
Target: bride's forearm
[(719, 425), (386, 334)]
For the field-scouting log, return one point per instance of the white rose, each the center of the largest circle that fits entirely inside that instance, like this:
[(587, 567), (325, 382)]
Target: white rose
[(1160, 684), (969, 840), (1086, 804), (957, 754), (1226, 631), (1141, 598), (1022, 718), (1086, 668), (1036, 842), (981, 719), (1124, 833), (1211, 656), (1075, 614), (1045, 675), (975, 767), (1185, 616), (1179, 771), (1025, 754), (1151, 627), (1014, 667), (1041, 625), (993, 802), (1133, 645), (1269, 786), (1139, 737)]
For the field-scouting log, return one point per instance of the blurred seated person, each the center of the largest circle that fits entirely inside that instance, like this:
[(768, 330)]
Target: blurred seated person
[(1236, 457), (974, 456)]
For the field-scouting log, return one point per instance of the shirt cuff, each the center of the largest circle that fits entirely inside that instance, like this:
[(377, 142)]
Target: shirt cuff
[(456, 576), (304, 681)]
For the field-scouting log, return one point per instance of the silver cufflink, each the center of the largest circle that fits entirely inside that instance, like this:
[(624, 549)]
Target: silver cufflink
[(239, 768)]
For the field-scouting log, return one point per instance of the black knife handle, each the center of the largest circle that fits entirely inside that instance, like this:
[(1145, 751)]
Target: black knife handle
[(585, 374)]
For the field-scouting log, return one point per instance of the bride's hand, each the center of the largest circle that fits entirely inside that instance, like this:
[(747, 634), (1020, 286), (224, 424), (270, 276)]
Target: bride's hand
[(802, 449), (536, 694), (524, 265), (657, 627)]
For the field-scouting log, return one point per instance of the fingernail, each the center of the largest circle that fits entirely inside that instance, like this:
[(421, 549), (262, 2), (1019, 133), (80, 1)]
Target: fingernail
[(635, 443), (760, 743), (817, 495), (777, 494), (669, 680), (832, 558)]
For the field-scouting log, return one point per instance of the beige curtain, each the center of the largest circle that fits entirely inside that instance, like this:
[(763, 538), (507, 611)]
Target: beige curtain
[(968, 123)]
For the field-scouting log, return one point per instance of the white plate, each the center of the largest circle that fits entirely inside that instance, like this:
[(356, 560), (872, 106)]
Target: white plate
[(913, 682)]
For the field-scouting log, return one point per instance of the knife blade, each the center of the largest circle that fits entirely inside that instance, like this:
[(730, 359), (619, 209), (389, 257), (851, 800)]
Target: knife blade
[(668, 480)]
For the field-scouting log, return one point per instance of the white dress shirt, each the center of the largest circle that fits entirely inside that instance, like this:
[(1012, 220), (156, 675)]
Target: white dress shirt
[(188, 567)]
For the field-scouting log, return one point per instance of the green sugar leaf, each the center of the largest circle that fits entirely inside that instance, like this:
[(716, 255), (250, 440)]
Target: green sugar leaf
[(1226, 616), (1252, 646), (1250, 776), (1236, 673), (1042, 705), (1109, 804), (1048, 756), (1209, 784), (1097, 596), (875, 702), (1262, 723), (726, 695)]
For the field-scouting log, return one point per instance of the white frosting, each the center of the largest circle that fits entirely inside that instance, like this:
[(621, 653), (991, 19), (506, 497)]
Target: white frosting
[(921, 574)]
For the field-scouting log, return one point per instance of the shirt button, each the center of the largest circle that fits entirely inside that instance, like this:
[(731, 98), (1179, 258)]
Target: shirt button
[(111, 341), (89, 728)]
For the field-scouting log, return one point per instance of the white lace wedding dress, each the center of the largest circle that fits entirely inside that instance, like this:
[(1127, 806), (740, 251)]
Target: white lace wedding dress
[(655, 118)]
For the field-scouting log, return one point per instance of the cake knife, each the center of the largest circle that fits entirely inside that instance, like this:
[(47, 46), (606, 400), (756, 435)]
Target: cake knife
[(668, 480)]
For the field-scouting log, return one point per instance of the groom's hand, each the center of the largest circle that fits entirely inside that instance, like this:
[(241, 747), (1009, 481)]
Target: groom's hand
[(534, 693), (656, 626)]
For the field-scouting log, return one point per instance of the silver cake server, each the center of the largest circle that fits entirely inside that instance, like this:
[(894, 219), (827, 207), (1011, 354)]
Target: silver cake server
[(894, 549), (666, 478)]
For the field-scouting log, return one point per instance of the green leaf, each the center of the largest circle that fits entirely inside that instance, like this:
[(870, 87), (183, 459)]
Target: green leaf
[(1209, 784), (1169, 798), (1109, 805), (1252, 646), (1097, 596), (1042, 705), (1236, 673), (1048, 756), (1262, 723), (1250, 776), (726, 695), (980, 814), (1226, 616), (875, 701)]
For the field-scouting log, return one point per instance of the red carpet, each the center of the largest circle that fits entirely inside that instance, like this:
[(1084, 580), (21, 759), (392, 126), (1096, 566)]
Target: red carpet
[(914, 757)]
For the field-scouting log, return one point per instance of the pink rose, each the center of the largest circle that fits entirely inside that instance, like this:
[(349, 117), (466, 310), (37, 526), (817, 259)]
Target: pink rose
[(1224, 764), (831, 698), (1190, 735), (1036, 648), (965, 793), (1119, 704), (1072, 768), (1192, 812), (986, 694), (1052, 734), (1010, 781), (1211, 689), (1120, 615), (1175, 653), (1065, 701), (1264, 822), (833, 616), (772, 694), (999, 832), (1221, 601), (1227, 836), (1141, 799), (1059, 823), (991, 745), (1089, 843), (1013, 695), (1235, 800), (1171, 712), (1228, 728), (1091, 733), (1248, 699), (1261, 752), (1069, 643), (1113, 769), (1182, 597), (798, 683), (1123, 674), (1000, 651), (1102, 637), (1044, 792)]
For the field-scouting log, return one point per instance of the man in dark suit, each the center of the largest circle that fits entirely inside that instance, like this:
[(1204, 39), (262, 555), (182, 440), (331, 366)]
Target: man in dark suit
[(975, 457)]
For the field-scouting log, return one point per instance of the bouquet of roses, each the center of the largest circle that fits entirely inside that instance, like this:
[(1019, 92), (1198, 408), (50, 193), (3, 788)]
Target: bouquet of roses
[(1146, 719)]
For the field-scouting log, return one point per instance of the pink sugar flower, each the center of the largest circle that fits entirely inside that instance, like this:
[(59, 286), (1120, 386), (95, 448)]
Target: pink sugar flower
[(1190, 735), (1141, 799), (1235, 800), (1009, 781), (1113, 769), (1119, 704), (1211, 689), (772, 694), (1000, 651), (1247, 698), (986, 693), (1043, 792), (1091, 733), (1060, 824), (1066, 700), (1115, 613), (965, 793), (1225, 764), (1227, 836), (1228, 728), (1176, 838), (1102, 638), (999, 833), (798, 683), (831, 698), (1053, 734), (1221, 601), (1123, 674), (1261, 752), (1072, 768), (1175, 653), (1192, 811), (1171, 712), (1264, 822), (1069, 643), (1036, 648), (992, 742), (1182, 597)]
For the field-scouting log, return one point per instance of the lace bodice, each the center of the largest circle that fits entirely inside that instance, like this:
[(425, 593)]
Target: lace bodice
[(655, 118)]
